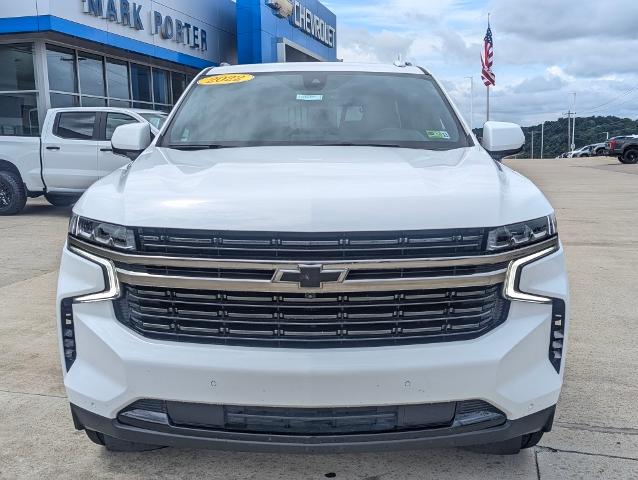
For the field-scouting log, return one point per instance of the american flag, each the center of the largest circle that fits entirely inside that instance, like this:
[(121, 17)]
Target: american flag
[(487, 59)]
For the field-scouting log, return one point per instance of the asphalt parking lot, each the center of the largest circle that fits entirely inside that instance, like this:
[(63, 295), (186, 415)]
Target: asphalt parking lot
[(596, 430)]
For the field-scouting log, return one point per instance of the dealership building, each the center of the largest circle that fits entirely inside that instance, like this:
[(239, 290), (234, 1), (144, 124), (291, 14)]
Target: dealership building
[(143, 53)]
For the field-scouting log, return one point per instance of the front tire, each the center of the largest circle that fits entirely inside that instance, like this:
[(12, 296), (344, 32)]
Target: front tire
[(60, 200), (113, 444), (13, 195), (630, 156)]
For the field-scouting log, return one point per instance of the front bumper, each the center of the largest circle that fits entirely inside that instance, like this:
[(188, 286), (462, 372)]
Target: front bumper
[(508, 367), (167, 435)]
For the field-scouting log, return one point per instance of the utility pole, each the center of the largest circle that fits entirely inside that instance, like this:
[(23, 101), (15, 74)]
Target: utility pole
[(532, 154), (607, 133), (542, 138), (574, 127), (569, 131), (471, 102)]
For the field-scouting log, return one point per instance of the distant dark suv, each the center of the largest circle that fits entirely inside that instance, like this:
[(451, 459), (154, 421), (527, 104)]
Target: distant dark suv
[(625, 148)]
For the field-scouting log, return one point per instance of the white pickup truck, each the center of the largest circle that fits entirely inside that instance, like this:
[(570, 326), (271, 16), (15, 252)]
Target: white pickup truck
[(73, 152)]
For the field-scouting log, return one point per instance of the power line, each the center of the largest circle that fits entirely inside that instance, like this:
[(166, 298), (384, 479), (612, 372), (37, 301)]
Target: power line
[(635, 89)]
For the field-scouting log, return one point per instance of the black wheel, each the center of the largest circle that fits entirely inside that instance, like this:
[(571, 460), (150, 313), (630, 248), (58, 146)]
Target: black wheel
[(631, 156), (116, 445), (13, 196), (60, 200), (600, 152), (509, 447)]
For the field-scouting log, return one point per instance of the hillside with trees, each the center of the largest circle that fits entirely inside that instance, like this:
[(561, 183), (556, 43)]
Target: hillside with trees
[(588, 130)]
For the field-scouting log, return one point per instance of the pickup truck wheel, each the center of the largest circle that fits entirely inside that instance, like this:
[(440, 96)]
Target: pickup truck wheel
[(13, 196), (60, 200), (631, 156)]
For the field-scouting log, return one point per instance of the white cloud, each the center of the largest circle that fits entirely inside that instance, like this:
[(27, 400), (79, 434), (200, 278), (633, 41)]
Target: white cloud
[(544, 49)]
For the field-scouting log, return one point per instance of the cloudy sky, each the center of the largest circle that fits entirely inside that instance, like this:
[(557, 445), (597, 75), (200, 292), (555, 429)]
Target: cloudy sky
[(544, 49)]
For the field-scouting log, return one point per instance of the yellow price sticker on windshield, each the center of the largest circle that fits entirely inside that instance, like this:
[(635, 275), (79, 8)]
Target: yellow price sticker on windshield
[(226, 79)]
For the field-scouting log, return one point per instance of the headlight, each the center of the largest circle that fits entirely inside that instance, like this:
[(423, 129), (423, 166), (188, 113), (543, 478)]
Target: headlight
[(101, 233), (521, 234)]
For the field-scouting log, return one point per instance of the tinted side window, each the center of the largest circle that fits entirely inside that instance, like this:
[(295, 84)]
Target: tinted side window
[(114, 120), (76, 125)]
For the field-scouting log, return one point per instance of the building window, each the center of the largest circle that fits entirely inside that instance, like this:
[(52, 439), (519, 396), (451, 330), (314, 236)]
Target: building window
[(85, 79), (91, 75), (18, 94), (117, 79), (119, 103), (161, 92), (178, 81), (19, 114), (61, 69), (62, 100), (93, 102), (17, 67), (141, 85)]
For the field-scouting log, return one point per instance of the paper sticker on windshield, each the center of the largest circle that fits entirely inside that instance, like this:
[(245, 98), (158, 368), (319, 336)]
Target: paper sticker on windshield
[(226, 79), (438, 134), (310, 98)]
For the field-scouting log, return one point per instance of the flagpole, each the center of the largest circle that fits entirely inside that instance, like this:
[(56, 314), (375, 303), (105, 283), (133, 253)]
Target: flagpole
[(488, 87)]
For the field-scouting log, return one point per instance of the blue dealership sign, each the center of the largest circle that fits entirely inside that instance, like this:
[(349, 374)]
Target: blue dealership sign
[(268, 29)]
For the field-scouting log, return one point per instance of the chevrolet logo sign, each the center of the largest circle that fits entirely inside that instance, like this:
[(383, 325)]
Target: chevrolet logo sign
[(282, 8), (310, 276)]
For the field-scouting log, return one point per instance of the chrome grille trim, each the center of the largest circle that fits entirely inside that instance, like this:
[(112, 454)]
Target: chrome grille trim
[(375, 264), (245, 285)]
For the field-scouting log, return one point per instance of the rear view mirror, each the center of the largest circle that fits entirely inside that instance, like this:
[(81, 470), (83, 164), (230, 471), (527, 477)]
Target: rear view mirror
[(502, 139), (131, 140)]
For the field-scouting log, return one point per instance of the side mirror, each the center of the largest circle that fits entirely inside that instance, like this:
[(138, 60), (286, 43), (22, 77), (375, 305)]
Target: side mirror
[(502, 139), (131, 139)]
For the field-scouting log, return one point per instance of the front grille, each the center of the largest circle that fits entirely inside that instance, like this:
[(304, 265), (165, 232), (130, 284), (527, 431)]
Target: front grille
[(320, 320), (305, 247), (365, 274), (311, 421)]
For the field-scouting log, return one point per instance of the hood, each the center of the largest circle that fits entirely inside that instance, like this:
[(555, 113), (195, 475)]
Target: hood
[(305, 189)]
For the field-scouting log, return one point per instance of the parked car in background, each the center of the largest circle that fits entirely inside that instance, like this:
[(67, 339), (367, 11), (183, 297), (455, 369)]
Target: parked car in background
[(598, 149), (359, 275), (625, 148), (581, 152), (73, 151)]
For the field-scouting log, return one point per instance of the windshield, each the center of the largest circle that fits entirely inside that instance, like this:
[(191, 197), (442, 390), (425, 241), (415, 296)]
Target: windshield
[(315, 108), (155, 119)]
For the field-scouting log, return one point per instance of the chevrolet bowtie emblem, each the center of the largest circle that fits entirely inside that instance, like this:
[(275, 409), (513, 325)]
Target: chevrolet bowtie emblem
[(282, 8), (310, 276)]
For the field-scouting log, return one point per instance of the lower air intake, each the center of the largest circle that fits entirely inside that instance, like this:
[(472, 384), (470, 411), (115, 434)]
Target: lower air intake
[(311, 421)]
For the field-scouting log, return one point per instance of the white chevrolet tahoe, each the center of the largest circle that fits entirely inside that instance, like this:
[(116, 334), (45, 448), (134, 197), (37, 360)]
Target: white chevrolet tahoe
[(313, 258), (73, 152)]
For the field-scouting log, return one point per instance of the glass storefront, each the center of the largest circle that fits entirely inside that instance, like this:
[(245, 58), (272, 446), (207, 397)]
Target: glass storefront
[(76, 78)]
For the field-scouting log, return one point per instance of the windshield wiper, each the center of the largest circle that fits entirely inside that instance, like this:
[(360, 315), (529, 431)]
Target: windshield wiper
[(347, 144), (197, 146)]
